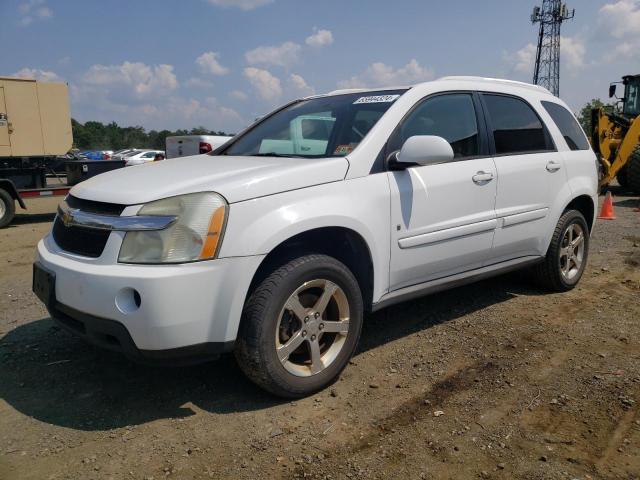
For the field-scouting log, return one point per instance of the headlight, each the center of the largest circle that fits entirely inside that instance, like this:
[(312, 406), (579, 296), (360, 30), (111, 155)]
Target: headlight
[(195, 235)]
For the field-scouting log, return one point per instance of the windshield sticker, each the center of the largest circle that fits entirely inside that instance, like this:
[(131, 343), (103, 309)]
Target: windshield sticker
[(343, 150), (376, 99)]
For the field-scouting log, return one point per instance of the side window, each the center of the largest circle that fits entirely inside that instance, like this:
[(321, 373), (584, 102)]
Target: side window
[(450, 116), (568, 126), (516, 127)]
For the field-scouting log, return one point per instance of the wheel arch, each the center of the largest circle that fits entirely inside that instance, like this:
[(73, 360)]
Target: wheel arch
[(342, 243), (8, 186), (585, 205)]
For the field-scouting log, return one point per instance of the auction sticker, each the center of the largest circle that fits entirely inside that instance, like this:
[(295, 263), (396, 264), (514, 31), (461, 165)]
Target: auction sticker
[(376, 99), (343, 150)]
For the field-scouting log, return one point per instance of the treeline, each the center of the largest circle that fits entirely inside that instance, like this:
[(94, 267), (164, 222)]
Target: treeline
[(98, 136)]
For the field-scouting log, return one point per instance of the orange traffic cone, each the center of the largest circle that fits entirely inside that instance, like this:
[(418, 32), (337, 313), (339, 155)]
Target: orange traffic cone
[(607, 208)]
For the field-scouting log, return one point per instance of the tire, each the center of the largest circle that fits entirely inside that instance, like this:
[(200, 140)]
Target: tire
[(622, 177), (7, 208), (633, 171), (267, 326), (553, 273)]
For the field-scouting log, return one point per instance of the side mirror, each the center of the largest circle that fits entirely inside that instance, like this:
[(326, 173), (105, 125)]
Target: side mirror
[(425, 150), (612, 90)]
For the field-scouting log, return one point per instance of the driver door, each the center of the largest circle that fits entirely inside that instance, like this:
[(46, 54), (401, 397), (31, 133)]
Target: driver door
[(442, 216)]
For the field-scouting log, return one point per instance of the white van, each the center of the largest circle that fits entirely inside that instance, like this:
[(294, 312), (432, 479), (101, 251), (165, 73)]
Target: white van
[(185, 145)]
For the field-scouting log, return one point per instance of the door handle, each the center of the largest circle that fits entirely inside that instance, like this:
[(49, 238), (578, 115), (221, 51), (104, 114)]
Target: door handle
[(553, 166), (482, 177)]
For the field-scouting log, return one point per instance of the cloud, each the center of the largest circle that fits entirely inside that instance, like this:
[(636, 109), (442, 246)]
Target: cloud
[(200, 111), (264, 83), (242, 4), (140, 94), (620, 22), (33, 10), (300, 86), (42, 75), (281, 55), (320, 38), (621, 18), (197, 82), (381, 75), (572, 52), (208, 63), (239, 95), (137, 79), (522, 60), (572, 56)]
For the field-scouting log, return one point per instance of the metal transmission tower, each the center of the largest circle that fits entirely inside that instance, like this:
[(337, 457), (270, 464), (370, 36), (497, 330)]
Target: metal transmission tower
[(550, 16)]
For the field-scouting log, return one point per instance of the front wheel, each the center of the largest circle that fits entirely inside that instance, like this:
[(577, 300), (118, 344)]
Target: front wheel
[(567, 255), (300, 326)]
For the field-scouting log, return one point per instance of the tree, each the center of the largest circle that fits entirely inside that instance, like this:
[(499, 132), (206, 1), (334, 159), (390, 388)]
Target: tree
[(584, 117), (96, 136)]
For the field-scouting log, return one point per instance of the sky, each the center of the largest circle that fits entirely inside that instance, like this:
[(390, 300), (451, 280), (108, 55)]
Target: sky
[(166, 64)]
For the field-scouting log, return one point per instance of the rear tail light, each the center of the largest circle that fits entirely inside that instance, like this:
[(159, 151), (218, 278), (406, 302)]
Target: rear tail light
[(106, 156), (205, 147)]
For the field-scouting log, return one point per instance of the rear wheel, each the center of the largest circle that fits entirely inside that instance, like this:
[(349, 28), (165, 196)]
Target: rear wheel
[(567, 255), (7, 208), (300, 326), (633, 171)]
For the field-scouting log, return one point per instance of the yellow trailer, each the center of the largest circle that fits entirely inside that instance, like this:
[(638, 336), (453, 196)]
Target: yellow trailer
[(34, 118), (35, 125)]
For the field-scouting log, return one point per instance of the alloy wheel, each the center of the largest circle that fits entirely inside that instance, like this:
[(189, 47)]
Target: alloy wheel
[(312, 327), (572, 251)]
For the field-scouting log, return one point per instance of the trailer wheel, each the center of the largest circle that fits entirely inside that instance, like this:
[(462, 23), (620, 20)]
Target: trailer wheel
[(633, 171), (7, 208)]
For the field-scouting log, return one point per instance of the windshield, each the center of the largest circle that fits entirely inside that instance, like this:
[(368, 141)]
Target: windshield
[(631, 105), (320, 127)]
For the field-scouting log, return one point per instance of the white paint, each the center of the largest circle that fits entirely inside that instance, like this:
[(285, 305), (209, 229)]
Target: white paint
[(420, 224)]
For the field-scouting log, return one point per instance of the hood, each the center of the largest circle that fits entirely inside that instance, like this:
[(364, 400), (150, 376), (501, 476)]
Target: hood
[(235, 178)]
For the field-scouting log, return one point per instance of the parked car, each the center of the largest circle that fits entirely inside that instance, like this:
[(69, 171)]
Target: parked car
[(97, 154), (278, 248), (186, 145), (139, 158), (120, 154)]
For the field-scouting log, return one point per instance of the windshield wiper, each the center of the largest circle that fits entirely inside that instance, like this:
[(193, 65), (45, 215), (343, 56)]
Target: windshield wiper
[(274, 154)]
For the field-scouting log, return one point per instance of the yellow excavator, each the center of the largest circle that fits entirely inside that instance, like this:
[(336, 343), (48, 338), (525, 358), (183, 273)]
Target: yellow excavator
[(615, 137)]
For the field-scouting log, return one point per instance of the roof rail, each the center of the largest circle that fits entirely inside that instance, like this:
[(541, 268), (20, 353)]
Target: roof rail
[(343, 91), (504, 81)]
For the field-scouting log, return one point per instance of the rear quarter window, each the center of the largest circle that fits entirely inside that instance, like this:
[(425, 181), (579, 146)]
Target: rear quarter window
[(515, 126), (568, 126)]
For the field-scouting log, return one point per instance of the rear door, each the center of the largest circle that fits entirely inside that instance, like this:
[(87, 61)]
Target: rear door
[(442, 215), (530, 172), (5, 144)]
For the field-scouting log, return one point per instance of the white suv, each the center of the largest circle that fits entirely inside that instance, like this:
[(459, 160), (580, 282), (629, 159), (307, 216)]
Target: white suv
[(276, 244)]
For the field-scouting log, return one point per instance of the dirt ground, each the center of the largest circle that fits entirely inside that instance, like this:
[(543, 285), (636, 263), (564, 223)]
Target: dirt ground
[(493, 380)]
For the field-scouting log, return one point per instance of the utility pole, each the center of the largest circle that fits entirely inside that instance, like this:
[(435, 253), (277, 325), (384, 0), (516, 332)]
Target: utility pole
[(550, 17)]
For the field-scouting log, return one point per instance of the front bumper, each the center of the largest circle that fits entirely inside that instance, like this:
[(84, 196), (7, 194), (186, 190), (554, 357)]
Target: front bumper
[(183, 310), (112, 335)]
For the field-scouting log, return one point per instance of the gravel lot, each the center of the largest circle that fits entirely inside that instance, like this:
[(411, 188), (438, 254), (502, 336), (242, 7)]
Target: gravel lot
[(492, 380)]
